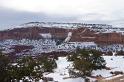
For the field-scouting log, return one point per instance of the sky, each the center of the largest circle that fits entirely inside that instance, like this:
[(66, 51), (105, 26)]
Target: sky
[(16, 12)]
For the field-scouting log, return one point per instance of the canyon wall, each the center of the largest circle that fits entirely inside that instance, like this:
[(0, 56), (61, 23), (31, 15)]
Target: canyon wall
[(78, 35)]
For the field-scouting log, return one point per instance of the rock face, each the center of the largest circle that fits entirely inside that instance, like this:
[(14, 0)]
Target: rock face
[(81, 34), (32, 33), (110, 38), (58, 33)]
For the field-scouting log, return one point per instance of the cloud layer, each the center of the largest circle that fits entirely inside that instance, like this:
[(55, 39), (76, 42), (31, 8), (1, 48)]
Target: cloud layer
[(89, 11)]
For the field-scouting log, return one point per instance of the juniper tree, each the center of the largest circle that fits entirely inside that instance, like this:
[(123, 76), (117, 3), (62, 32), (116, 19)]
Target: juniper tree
[(85, 61)]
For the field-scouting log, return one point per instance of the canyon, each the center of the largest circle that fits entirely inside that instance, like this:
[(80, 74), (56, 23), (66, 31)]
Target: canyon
[(40, 37)]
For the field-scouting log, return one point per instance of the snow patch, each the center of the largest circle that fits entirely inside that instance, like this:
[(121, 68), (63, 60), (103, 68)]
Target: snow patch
[(46, 35)]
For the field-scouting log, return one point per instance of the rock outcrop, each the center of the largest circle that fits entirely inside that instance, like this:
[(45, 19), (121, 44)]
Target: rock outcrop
[(81, 34)]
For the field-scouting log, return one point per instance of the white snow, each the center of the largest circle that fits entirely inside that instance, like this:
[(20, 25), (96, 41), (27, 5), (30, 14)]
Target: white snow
[(114, 77), (68, 37), (104, 28), (44, 45), (61, 73), (116, 63), (49, 45), (46, 35)]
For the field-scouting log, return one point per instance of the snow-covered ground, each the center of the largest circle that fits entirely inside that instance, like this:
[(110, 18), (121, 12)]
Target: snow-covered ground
[(96, 27), (49, 45), (44, 45), (65, 25), (61, 73), (116, 63)]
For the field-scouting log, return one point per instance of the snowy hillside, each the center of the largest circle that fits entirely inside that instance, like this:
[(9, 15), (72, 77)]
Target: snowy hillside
[(42, 45), (48, 45), (39, 38), (64, 25), (95, 27), (61, 74)]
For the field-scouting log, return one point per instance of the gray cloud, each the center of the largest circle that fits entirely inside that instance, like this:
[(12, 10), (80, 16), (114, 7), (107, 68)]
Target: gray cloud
[(12, 17), (9, 17)]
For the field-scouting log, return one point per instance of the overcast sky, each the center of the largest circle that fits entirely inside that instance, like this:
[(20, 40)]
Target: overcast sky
[(15, 12)]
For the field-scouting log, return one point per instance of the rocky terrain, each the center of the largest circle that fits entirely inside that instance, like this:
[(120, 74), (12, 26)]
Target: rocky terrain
[(41, 37)]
